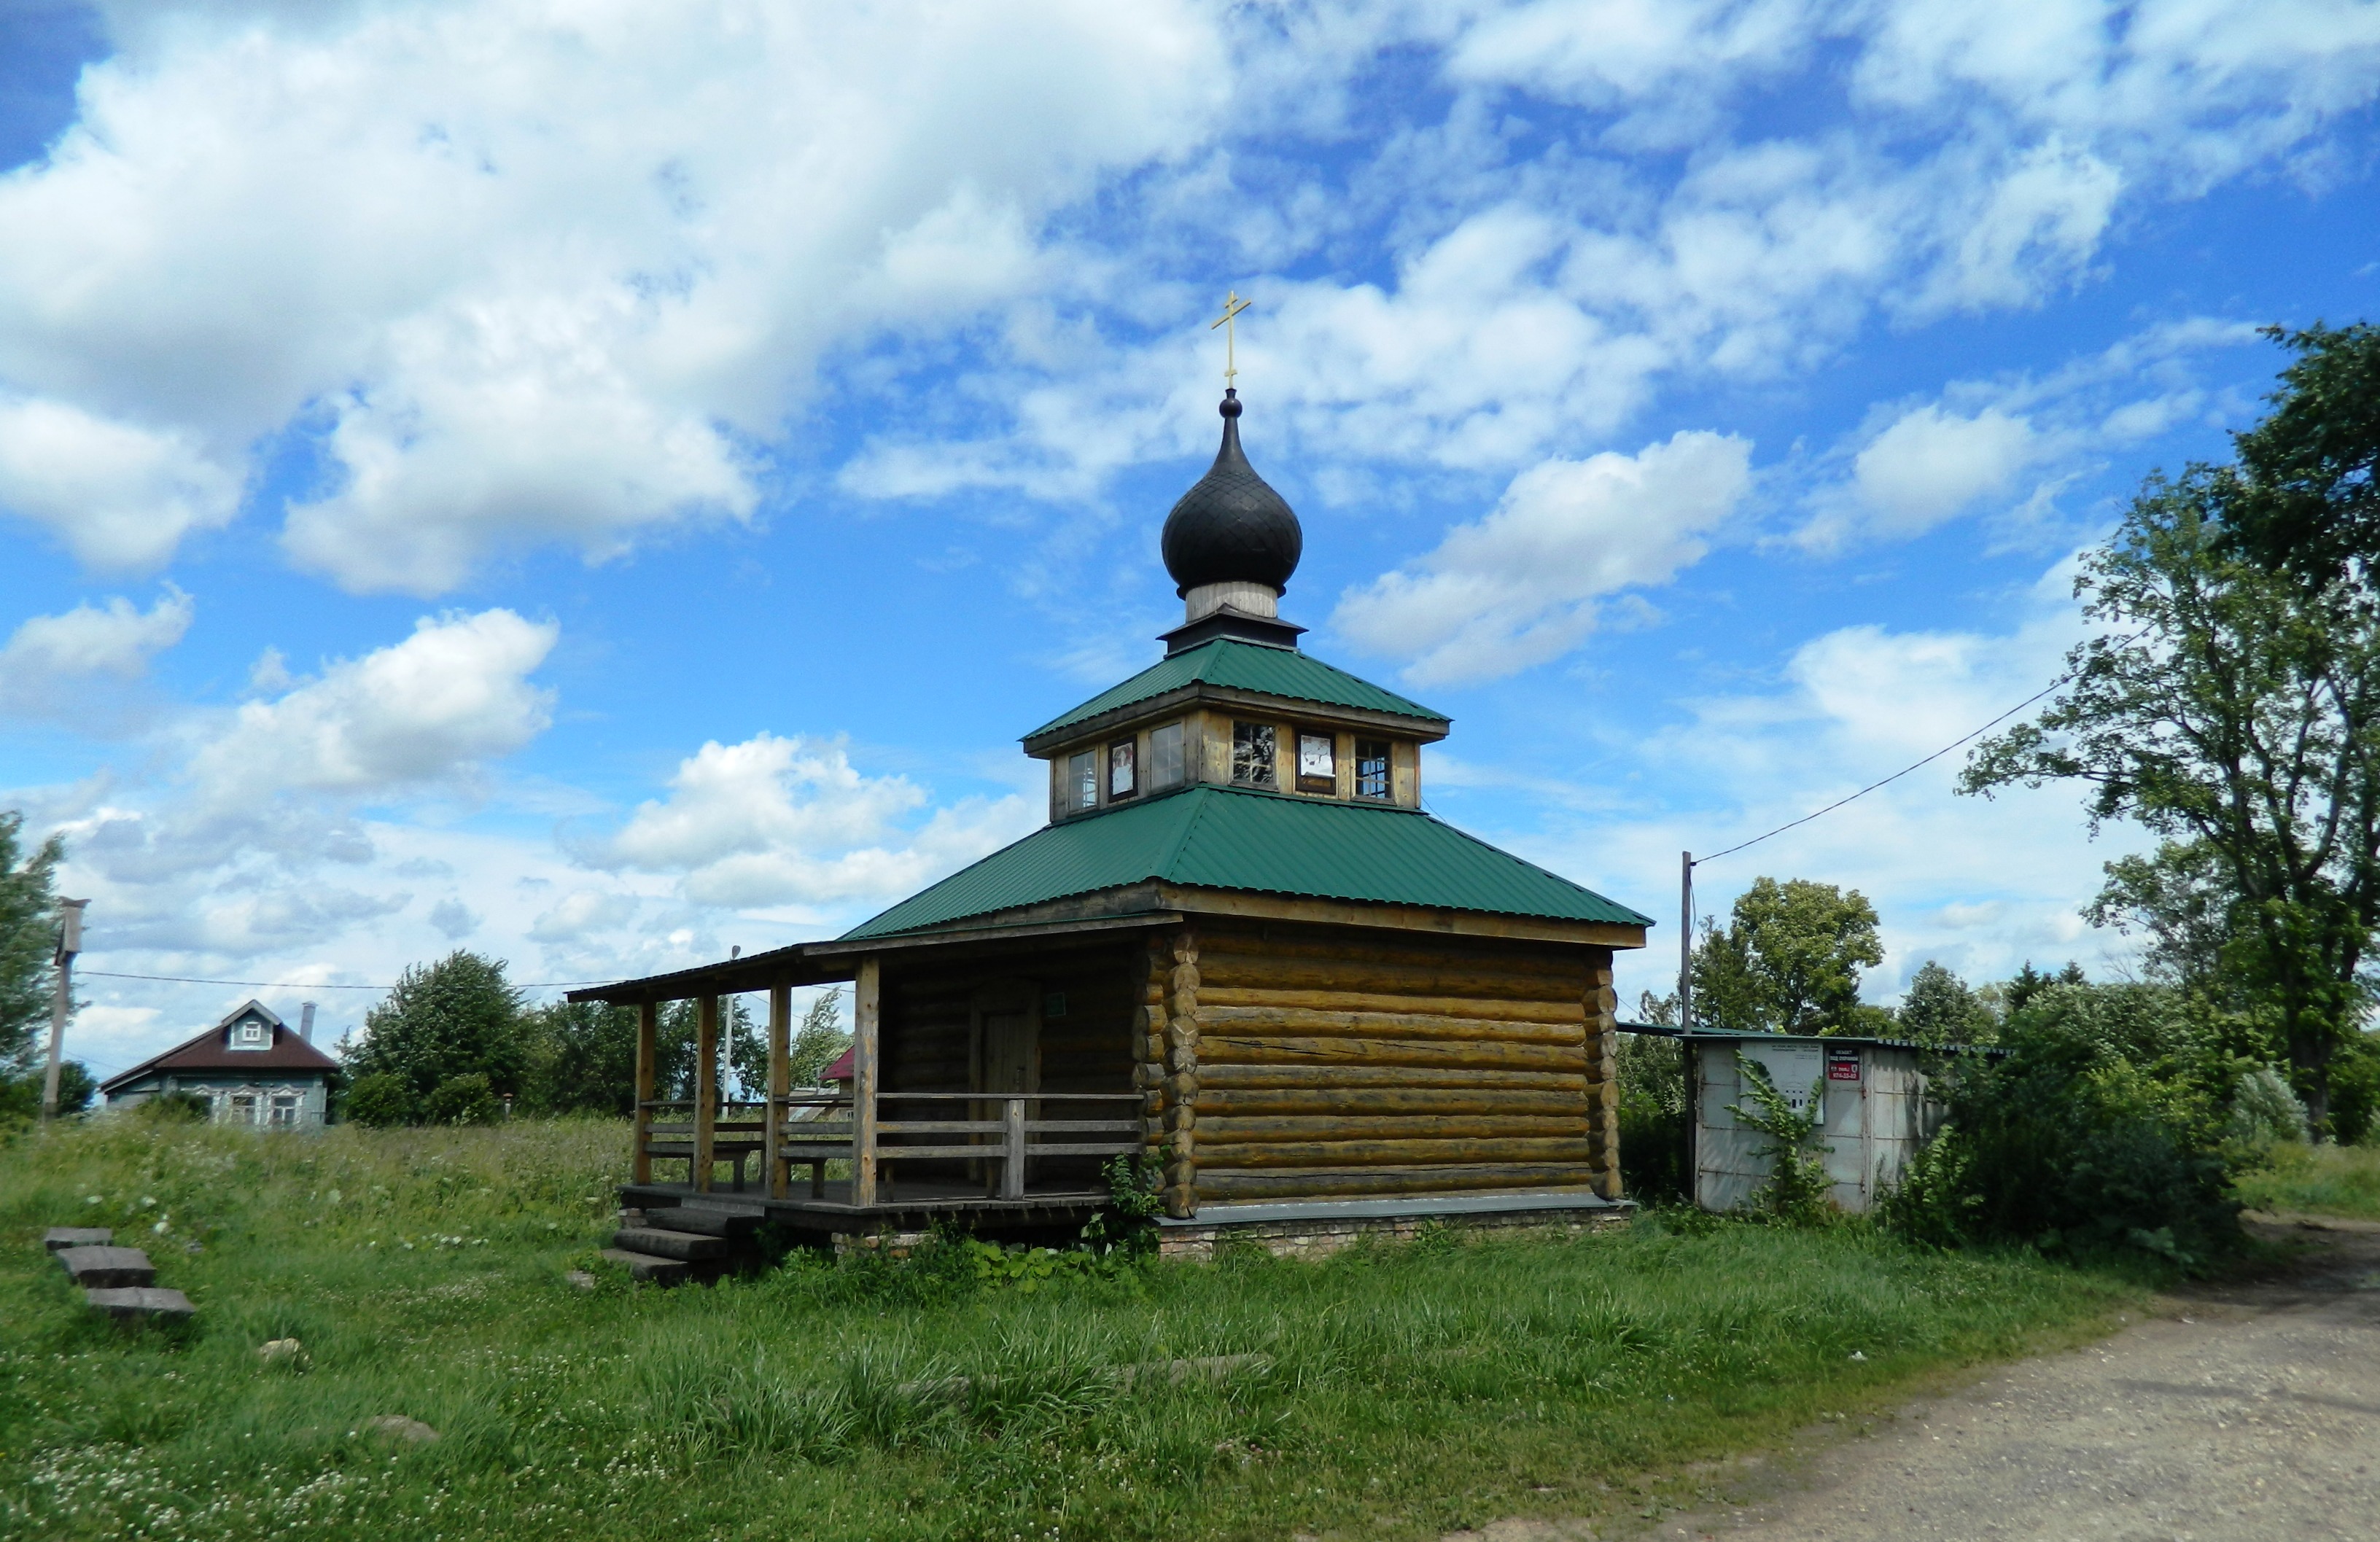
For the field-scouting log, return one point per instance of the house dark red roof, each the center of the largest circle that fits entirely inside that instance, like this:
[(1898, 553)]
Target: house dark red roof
[(840, 1070), (212, 1051)]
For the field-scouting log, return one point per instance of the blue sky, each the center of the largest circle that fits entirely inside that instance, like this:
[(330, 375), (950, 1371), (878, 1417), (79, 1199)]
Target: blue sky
[(604, 490)]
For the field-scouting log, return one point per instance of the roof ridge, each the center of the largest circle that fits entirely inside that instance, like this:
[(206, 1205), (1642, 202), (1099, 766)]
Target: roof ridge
[(1189, 826), (1523, 861)]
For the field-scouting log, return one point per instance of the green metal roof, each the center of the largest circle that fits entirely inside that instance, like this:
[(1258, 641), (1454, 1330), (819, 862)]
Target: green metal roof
[(1245, 666), (1234, 838)]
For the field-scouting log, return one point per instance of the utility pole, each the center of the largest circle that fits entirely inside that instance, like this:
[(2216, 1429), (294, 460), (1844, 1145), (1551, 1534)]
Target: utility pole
[(69, 944), (1685, 939)]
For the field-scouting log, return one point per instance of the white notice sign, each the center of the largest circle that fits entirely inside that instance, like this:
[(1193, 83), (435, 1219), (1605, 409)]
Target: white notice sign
[(1799, 1070)]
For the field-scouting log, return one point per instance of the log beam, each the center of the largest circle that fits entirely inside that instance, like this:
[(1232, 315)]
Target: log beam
[(781, 1027), (706, 1089), (866, 1017), (641, 1164)]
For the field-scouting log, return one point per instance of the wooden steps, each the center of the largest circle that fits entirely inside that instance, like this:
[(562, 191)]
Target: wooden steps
[(120, 1281), (685, 1242), (127, 1302), (647, 1269), (58, 1237), (107, 1268)]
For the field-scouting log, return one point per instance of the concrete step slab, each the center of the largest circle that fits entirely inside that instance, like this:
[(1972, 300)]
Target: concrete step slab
[(663, 1244), (107, 1268), (59, 1237), (645, 1267), (126, 1303), (703, 1220)]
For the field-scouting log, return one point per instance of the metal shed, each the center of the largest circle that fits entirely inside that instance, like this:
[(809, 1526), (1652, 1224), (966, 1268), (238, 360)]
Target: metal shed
[(1874, 1093)]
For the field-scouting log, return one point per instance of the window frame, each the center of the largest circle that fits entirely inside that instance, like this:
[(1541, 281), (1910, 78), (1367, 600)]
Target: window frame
[(1082, 782), (1128, 748), (1157, 780), (1311, 784), (1388, 779), (1245, 729)]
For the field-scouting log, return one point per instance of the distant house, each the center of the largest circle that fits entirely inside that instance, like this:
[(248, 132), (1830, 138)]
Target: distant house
[(251, 1068)]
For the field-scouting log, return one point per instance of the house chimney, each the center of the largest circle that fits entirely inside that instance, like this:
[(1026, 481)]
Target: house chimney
[(306, 1023)]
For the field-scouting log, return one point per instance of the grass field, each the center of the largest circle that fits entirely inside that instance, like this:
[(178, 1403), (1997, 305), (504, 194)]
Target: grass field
[(1395, 1391), (2318, 1180)]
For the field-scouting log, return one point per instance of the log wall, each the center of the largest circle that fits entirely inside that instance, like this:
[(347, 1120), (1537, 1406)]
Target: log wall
[(1282, 1061)]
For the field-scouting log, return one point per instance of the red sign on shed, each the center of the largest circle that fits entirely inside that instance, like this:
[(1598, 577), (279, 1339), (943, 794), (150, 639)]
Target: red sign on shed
[(1842, 1063)]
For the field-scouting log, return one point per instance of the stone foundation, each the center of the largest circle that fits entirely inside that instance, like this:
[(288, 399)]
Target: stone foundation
[(1315, 1231)]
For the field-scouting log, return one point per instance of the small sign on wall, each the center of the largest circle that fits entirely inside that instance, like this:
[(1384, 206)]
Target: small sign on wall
[(1842, 1063)]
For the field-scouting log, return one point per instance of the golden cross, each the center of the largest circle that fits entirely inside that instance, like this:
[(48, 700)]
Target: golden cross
[(1232, 306)]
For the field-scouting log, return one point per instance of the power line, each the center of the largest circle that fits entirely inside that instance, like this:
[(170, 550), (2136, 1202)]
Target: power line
[(1916, 765), (304, 985)]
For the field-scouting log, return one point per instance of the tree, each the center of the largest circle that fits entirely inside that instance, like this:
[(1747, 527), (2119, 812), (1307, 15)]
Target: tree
[(820, 1042), (456, 1017), (2029, 982), (1790, 962), (29, 942), (580, 1058), (2308, 499), (2234, 712), (1939, 1010)]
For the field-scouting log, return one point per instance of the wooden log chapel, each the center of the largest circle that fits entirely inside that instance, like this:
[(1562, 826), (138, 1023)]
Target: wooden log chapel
[(1240, 947)]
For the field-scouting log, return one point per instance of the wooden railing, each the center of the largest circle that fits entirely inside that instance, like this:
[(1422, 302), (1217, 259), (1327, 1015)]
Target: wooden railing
[(736, 1134), (1012, 1136)]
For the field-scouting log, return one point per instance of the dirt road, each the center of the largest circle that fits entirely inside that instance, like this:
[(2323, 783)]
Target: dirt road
[(2239, 1413)]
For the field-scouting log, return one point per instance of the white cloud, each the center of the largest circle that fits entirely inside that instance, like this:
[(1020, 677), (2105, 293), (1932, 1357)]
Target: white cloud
[(1981, 884), (773, 821), (450, 697), (2003, 446), (50, 660), (1521, 585), (118, 496), (550, 276)]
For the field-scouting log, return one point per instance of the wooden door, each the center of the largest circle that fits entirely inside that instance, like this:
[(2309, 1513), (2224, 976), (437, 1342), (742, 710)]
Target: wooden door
[(1007, 1055)]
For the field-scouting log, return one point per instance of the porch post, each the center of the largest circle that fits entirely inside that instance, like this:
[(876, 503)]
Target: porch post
[(781, 1027), (706, 1088), (1012, 1129), (648, 1025), (866, 1014)]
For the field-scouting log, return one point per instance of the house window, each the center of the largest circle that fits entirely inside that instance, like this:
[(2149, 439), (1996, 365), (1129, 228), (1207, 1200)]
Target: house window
[(243, 1109), (284, 1111), (1082, 781), (1372, 769), (1165, 758), (1252, 753), (1123, 782), (250, 1034), (1318, 762)]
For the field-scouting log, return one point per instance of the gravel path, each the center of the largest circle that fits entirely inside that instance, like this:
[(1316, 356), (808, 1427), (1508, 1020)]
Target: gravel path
[(2238, 1413)]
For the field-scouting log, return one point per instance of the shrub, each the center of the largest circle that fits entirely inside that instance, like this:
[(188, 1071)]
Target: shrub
[(2355, 1090), (2264, 1111), (1653, 1118), (380, 1100), (175, 1108), (466, 1099), (2102, 1129), (1798, 1189)]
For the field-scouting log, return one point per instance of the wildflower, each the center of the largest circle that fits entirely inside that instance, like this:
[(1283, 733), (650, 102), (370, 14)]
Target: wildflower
[(148, 1201), (158, 1228), (93, 1200)]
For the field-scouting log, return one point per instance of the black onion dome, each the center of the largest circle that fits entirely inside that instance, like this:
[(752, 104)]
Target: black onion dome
[(1231, 525)]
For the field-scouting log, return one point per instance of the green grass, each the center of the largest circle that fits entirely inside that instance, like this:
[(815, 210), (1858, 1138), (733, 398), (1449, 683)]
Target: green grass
[(2317, 1180), (1400, 1391)]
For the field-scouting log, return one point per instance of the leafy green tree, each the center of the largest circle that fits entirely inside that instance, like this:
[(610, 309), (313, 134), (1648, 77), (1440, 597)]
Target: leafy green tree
[(581, 1058), (2233, 712), (820, 1042), (1789, 961), (380, 1100), (28, 912), (466, 1099), (1940, 1009), (2307, 499), (456, 1017)]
